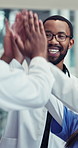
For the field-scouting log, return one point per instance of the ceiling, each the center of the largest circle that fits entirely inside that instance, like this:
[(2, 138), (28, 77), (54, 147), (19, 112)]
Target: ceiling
[(40, 4)]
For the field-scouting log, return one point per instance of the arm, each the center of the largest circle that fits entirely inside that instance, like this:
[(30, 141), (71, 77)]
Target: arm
[(65, 89), (56, 108), (68, 127), (18, 90)]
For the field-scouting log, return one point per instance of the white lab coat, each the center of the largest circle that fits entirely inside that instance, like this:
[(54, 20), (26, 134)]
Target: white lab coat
[(65, 89), (56, 108), (25, 128), (19, 90)]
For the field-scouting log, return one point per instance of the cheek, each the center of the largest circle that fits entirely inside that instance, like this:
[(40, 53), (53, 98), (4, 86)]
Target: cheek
[(65, 47), (64, 51)]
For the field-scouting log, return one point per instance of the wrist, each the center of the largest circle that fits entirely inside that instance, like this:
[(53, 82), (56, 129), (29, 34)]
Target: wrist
[(5, 58), (44, 55), (20, 60)]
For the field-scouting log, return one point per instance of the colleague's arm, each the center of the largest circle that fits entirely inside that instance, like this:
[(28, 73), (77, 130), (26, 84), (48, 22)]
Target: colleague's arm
[(18, 90), (68, 127)]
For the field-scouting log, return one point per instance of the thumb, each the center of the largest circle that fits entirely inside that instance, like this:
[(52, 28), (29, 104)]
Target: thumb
[(17, 42)]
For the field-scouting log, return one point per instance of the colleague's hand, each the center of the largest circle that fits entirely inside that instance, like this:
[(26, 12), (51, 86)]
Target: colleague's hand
[(8, 52), (28, 36), (18, 26), (17, 45), (18, 37), (36, 42), (12, 43)]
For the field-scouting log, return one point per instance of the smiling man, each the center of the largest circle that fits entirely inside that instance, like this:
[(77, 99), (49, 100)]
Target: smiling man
[(59, 33)]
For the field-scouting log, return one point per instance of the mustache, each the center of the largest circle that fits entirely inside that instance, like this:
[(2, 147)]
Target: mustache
[(57, 46)]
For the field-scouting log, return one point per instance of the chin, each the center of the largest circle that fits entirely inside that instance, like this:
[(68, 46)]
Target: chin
[(51, 60)]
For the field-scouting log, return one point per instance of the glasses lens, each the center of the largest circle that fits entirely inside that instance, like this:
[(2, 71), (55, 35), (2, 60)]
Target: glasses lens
[(60, 37), (49, 35)]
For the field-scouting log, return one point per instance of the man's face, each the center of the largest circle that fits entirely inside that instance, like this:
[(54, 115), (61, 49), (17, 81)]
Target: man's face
[(57, 49)]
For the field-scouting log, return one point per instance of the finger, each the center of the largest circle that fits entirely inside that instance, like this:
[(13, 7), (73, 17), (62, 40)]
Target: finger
[(17, 27), (17, 44), (17, 16), (41, 27), (18, 24), (7, 26), (14, 45), (31, 21), (36, 22), (26, 26), (24, 12)]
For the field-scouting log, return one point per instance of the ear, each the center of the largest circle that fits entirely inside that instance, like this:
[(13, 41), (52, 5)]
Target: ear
[(71, 43)]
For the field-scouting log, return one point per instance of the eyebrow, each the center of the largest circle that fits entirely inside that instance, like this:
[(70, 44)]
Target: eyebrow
[(62, 32), (56, 33)]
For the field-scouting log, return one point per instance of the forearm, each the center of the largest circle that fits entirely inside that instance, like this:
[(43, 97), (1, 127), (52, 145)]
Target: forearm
[(32, 90), (56, 109)]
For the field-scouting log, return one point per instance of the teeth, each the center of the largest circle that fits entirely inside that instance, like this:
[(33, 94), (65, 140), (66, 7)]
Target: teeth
[(53, 50)]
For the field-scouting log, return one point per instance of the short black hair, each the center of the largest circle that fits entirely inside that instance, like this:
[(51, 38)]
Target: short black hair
[(61, 18)]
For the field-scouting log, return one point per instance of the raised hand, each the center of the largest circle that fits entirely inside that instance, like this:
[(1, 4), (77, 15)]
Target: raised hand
[(36, 42), (12, 44), (17, 38), (29, 36)]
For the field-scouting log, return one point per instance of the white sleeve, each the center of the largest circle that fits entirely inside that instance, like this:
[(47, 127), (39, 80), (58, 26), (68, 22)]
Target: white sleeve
[(65, 89), (19, 90), (56, 109)]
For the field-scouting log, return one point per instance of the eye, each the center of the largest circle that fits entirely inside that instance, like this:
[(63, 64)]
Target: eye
[(61, 36), (48, 35)]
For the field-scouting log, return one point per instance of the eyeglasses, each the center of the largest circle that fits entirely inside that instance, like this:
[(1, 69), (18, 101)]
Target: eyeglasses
[(60, 36)]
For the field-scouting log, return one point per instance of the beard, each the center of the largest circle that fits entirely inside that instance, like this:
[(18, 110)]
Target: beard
[(60, 58)]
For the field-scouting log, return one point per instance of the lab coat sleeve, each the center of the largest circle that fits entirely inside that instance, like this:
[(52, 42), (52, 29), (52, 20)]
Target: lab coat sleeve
[(55, 108), (19, 90), (68, 127), (65, 89)]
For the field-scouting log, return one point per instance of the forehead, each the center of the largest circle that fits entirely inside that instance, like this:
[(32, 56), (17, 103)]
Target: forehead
[(56, 26)]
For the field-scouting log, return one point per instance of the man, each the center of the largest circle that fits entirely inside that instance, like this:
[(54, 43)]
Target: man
[(63, 91), (59, 32)]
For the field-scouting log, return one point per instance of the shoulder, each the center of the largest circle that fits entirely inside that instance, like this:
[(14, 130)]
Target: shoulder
[(73, 77)]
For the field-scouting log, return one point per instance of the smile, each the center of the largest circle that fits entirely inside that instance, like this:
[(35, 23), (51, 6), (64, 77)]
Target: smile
[(53, 51)]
